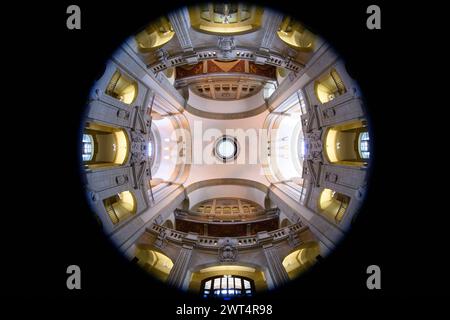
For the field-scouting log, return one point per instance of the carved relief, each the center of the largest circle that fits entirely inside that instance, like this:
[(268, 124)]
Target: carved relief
[(226, 45), (162, 55), (138, 147), (314, 146), (122, 114), (122, 179), (228, 252), (331, 177), (293, 239), (305, 171), (160, 241), (329, 113)]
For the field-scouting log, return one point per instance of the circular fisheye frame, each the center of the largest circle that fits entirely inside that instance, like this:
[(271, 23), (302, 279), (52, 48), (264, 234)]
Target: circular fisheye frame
[(221, 229)]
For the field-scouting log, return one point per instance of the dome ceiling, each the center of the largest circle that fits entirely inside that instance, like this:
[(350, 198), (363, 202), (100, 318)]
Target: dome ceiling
[(224, 127)]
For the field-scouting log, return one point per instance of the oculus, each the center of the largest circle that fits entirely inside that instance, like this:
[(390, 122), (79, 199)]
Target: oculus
[(226, 148)]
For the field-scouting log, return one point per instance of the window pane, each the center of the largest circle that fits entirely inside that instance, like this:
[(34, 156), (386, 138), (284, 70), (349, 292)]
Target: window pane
[(227, 286), (238, 283), (217, 283), (87, 147), (224, 282), (230, 283), (364, 145)]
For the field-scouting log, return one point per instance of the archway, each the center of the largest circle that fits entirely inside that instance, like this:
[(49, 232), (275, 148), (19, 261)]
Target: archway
[(120, 206), (333, 205), (348, 144), (301, 259), (225, 18), (154, 262), (285, 223), (168, 224), (296, 35), (104, 146), (198, 277), (122, 88), (329, 86), (155, 35)]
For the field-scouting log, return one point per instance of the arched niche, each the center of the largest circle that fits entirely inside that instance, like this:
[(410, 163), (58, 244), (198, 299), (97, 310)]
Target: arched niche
[(168, 224), (154, 262), (333, 205), (104, 146), (329, 86), (120, 206), (155, 35), (122, 87), (225, 18), (348, 144), (301, 259), (286, 222), (294, 34)]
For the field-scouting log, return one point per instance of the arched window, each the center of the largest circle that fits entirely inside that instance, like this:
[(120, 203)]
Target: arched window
[(333, 205), (120, 206), (155, 35), (329, 86), (227, 286), (296, 35), (122, 88), (88, 147), (225, 18), (364, 145)]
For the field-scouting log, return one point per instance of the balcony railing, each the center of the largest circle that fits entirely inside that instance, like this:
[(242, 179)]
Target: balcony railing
[(245, 242), (189, 215)]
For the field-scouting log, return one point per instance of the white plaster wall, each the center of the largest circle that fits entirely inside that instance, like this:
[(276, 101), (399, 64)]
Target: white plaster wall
[(203, 171)]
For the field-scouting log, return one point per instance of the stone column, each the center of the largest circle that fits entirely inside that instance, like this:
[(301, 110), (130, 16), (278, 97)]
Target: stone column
[(274, 263), (177, 276), (272, 23), (180, 23)]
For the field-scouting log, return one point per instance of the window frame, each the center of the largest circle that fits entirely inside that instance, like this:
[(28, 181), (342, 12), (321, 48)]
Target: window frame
[(225, 291), (86, 143), (364, 137)]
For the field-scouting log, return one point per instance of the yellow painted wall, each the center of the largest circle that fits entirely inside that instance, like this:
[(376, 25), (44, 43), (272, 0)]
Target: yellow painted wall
[(156, 263), (111, 146), (329, 206), (300, 260), (251, 24), (341, 144), (155, 35)]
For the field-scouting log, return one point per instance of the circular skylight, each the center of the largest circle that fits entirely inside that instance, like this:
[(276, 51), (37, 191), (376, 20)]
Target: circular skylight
[(226, 148)]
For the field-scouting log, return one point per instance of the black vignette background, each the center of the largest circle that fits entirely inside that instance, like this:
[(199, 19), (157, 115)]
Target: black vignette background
[(47, 225)]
